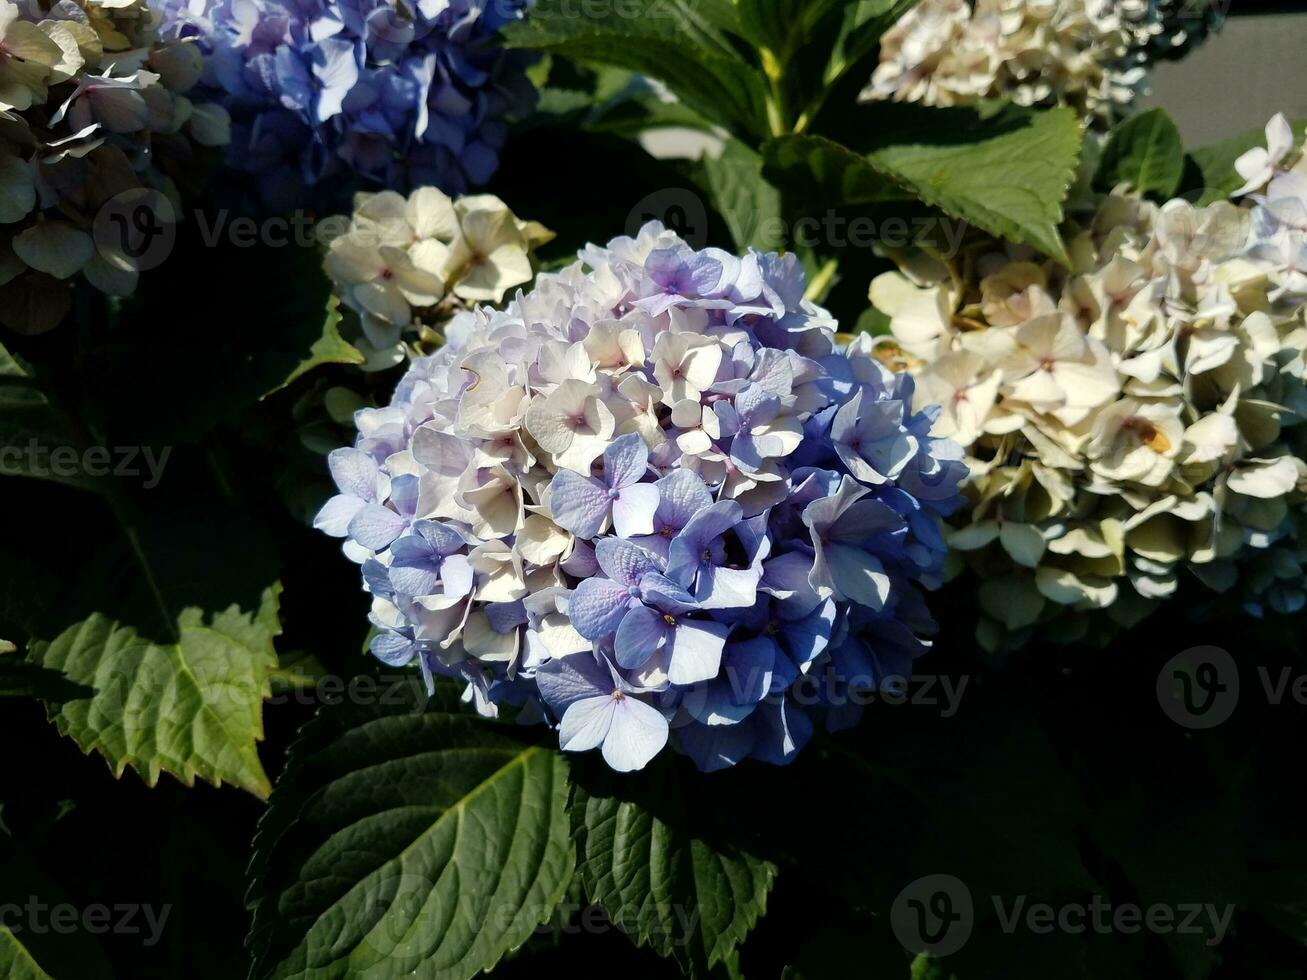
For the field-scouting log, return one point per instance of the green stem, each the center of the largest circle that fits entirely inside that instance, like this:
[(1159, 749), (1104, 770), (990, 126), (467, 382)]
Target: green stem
[(777, 111), (821, 282)]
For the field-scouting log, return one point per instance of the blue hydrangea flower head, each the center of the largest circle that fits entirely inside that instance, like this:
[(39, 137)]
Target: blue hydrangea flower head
[(360, 92), (653, 502)]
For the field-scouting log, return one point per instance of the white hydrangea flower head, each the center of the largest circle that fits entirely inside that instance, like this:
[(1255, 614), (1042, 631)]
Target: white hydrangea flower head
[(1136, 415), (402, 264), (1089, 54)]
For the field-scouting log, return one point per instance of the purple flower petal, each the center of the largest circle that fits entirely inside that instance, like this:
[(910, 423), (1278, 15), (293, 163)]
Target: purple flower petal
[(596, 607), (625, 461), (579, 504), (641, 633), (375, 527), (625, 562)]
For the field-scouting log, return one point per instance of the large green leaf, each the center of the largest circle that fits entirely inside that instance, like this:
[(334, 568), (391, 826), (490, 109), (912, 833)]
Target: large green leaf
[(173, 627), (663, 869), (671, 40), (408, 840), (1146, 152), (827, 169), (191, 706), (1006, 173)]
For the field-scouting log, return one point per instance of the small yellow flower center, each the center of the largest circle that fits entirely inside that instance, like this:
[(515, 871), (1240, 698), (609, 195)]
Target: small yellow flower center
[(1148, 434)]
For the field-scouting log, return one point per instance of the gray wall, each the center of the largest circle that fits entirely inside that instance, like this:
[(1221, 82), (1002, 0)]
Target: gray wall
[(1254, 68)]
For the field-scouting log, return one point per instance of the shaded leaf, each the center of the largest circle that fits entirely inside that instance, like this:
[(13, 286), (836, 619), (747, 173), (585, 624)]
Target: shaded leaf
[(670, 40), (407, 839), (30, 948), (31, 428), (1145, 152), (178, 364), (748, 203), (20, 679), (828, 169), (660, 868)]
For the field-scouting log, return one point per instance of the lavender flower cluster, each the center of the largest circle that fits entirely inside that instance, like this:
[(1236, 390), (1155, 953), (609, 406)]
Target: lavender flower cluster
[(653, 499), (401, 94)]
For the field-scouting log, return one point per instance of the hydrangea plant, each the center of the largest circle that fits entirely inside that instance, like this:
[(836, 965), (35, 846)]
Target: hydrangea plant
[(1132, 416), (398, 95), (652, 499), (93, 105)]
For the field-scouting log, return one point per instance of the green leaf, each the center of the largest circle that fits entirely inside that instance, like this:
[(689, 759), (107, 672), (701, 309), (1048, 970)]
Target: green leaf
[(21, 679), (827, 169), (670, 40), (330, 348), (30, 949), (868, 22), (408, 840), (191, 706), (16, 963), (297, 671), (1006, 173), (843, 937), (1146, 152), (665, 874), (749, 204), (628, 111), (173, 627), (1213, 175), (849, 59), (30, 427), (782, 26)]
